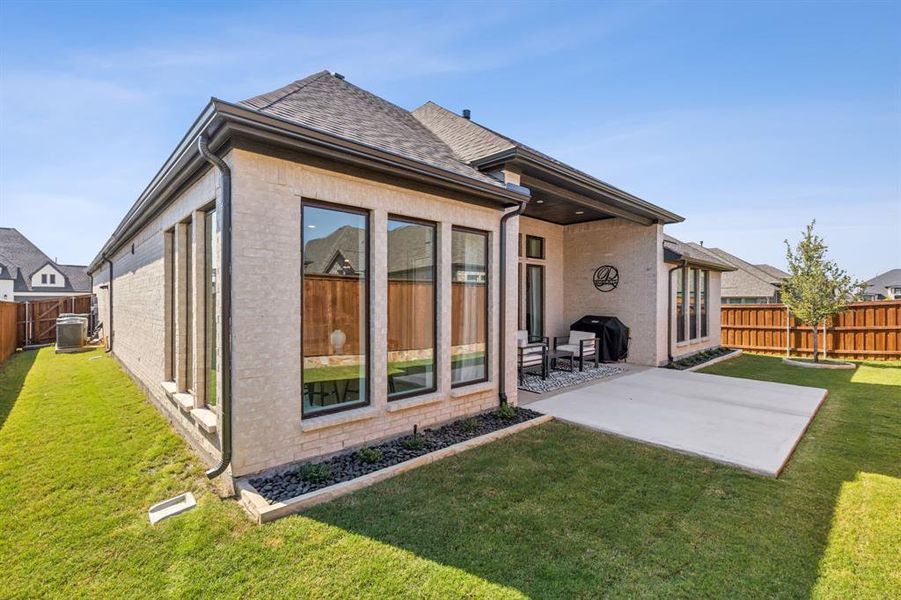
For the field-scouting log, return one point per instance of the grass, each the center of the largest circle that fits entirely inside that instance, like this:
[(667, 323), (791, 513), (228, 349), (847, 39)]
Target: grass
[(552, 512)]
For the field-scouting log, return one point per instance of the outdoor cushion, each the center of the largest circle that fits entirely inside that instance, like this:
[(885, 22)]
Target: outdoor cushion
[(575, 349), (575, 346)]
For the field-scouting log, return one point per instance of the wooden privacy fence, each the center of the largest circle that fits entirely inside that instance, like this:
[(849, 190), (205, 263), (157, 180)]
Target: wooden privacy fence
[(8, 312), (865, 331), (36, 320), (333, 302)]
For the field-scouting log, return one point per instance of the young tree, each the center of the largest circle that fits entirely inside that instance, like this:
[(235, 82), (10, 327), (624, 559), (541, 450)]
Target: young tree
[(816, 287)]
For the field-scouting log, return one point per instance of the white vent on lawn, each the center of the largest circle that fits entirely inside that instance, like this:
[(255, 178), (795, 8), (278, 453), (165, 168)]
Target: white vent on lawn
[(171, 507)]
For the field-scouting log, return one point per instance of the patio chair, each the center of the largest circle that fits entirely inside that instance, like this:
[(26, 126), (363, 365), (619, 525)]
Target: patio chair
[(530, 354), (583, 344)]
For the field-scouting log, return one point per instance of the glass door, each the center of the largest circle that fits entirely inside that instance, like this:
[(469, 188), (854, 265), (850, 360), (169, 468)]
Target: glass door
[(535, 301)]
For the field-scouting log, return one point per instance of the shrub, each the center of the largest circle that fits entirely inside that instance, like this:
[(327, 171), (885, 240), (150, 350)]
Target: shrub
[(471, 424), (369, 455), (412, 442), (317, 473), (506, 412)]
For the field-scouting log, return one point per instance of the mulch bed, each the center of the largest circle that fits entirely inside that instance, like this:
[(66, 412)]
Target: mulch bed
[(303, 479), (699, 358)]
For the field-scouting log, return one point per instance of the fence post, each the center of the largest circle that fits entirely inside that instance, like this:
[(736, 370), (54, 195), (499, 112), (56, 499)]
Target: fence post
[(825, 350), (788, 333)]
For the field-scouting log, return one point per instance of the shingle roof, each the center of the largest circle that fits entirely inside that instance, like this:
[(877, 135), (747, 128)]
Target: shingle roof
[(332, 105), (748, 280), (675, 250), (772, 271), (878, 284), (20, 258), (472, 141)]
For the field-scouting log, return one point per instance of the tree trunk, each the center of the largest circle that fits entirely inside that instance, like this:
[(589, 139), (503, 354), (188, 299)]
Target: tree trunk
[(816, 352)]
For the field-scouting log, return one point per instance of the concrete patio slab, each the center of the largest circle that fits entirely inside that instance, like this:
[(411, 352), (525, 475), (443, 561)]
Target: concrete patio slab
[(751, 424)]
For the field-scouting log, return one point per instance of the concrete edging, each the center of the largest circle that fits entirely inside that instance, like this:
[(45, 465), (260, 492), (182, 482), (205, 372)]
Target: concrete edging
[(810, 365), (718, 359), (263, 512)]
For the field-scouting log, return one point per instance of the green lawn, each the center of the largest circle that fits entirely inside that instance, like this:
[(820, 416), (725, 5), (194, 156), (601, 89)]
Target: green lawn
[(552, 512)]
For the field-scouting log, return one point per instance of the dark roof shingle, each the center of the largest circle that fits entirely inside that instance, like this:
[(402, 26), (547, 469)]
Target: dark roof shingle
[(331, 105)]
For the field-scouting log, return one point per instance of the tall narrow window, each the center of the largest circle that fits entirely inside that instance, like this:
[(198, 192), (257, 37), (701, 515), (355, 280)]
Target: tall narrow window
[(469, 307), (535, 301), (411, 308), (335, 309), (210, 324), (52, 279), (43, 278), (693, 303), (704, 282), (172, 350), (680, 305), (189, 307)]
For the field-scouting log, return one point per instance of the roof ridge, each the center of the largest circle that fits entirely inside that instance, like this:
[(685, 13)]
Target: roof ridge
[(306, 81)]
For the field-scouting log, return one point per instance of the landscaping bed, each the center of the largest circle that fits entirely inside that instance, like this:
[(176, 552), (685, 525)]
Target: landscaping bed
[(699, 359), (303, 479)]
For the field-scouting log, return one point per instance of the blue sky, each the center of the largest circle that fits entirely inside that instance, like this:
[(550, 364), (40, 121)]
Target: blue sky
[(747, 119)]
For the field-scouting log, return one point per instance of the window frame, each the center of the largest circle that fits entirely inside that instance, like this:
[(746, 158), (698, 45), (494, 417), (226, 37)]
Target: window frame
[(367, 214), (211, 355), (487, 235), (543, 250), (435, 285), (43, 279)]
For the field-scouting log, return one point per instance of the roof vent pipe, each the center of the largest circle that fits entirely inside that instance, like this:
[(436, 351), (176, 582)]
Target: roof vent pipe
[(467, 113), (339, 76)]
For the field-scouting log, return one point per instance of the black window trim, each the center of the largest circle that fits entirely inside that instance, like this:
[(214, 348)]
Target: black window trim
[(435, 285), (543, 250), (304, 202), (487, 377)]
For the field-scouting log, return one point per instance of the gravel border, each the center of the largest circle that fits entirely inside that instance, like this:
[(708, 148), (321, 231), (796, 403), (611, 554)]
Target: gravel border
[(303, 479)]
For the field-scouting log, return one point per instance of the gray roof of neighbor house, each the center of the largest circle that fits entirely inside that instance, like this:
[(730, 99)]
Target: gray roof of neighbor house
[(676, 251), (878, 284), (407, 245), (19, 259), (748, 280)]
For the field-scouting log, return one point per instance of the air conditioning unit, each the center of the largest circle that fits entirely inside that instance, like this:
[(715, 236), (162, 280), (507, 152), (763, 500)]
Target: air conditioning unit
[(71, 331)]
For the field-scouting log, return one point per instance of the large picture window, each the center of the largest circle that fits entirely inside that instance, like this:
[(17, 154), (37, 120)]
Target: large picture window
[(210, 272), (411, 308), (469, 307), (335, 308)]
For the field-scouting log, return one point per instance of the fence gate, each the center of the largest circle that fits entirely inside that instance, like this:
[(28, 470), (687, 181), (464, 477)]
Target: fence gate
[(36, 320)]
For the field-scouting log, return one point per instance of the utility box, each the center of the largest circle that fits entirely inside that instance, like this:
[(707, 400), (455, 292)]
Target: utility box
[(71, 332)]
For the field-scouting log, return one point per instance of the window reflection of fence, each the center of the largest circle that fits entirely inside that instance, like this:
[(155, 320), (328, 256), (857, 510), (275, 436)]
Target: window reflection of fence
[(333, 303)]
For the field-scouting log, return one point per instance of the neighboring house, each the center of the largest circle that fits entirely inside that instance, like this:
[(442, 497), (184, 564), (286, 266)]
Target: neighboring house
[(884, 287), (26, 273), (318, 268), (748, 283)]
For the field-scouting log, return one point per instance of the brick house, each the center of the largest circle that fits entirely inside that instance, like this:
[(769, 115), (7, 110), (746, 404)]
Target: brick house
[(316, 268)]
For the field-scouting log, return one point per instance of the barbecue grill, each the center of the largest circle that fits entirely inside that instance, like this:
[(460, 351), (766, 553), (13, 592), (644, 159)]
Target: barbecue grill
[(613, 336)]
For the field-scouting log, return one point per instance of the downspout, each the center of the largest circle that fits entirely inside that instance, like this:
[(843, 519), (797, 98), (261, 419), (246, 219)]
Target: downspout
[(110, 336), (502, 319), (669, 311), (225, 277)]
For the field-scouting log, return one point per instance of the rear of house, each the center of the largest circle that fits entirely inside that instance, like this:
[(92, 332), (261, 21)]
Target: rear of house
[(315, 268)]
